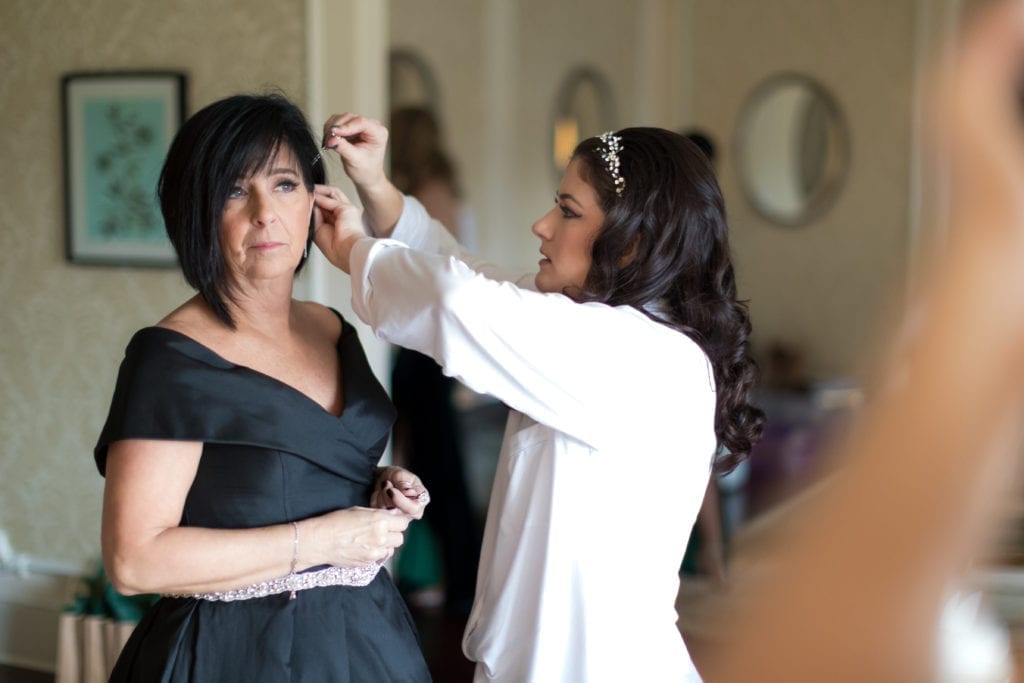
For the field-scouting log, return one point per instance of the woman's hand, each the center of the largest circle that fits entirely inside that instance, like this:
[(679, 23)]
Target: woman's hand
[(353, 537), (398, 488), (338, 224), (361, 142)]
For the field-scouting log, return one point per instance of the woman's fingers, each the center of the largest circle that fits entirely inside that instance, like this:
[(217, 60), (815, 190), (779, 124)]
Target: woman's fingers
[(348, 131), (361, 143), (380, 501), (331, 193), (337, 212), (401, 490), (412, 500), (334, 126), (385, 535)]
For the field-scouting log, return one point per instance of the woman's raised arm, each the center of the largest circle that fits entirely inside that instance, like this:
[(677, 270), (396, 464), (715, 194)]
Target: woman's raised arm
[(857, 587), (361, 143)]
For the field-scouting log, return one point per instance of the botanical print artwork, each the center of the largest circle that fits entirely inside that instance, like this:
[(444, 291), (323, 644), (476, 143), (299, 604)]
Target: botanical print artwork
[(123, 145), (117, 128)]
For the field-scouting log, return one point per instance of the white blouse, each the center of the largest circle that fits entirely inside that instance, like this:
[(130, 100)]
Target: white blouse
[(602, 470)]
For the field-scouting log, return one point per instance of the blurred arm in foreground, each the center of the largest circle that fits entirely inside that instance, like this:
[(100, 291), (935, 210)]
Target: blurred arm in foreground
[(857, 584)]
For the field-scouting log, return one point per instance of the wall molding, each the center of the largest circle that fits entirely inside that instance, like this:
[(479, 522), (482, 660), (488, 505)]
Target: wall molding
[(33, 593), (30, 608)]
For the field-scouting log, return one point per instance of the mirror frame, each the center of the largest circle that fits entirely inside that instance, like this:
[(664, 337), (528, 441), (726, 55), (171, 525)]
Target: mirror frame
[(576, 78), (831, 184), (410, 59)]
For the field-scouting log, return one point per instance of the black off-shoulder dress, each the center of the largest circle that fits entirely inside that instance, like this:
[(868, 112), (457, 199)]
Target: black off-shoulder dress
[(271, 455)]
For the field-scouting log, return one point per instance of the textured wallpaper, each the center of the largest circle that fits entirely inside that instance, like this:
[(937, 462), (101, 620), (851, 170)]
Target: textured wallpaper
[(63, 328)]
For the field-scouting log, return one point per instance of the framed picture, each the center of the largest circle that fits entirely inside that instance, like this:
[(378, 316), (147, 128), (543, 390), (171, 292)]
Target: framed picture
[(117, 128)]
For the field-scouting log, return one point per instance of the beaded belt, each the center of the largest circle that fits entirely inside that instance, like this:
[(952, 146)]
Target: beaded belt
[(332, 576)]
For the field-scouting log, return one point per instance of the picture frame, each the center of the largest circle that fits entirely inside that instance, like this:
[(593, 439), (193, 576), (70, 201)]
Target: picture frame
[(117, 128)]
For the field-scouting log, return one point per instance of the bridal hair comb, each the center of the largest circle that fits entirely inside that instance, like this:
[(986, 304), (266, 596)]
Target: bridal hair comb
[(610, 156)]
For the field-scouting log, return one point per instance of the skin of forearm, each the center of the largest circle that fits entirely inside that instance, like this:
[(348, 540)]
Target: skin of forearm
[(183, 560), (382, 206), (341, 255)]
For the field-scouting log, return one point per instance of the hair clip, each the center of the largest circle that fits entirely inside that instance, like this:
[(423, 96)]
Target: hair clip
[(319, 155), (610, 156)]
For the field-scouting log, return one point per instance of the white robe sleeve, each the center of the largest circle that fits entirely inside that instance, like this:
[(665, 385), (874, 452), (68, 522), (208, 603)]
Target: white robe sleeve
[(583, 369), (418, 230)]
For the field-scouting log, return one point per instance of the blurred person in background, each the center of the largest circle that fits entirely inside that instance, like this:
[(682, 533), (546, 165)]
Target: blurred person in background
[(428, 434)]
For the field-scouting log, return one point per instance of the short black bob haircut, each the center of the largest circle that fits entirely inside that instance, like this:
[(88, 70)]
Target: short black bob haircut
[(230, 139)]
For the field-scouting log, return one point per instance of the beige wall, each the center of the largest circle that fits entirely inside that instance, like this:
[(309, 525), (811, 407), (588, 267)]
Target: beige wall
[(63, 328), (678, 62), (499, 65), (823, 286)]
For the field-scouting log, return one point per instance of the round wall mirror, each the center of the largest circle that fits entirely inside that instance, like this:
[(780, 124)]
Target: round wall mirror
[(792, 149)]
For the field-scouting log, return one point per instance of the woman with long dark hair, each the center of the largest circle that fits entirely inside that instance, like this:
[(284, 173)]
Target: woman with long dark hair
[(625, 363)]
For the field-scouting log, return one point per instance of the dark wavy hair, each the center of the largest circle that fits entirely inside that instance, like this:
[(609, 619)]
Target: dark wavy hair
[(230, 139), (670, 220)]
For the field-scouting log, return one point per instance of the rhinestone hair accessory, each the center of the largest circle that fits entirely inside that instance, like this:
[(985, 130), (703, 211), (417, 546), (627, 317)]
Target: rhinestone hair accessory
[(610, 156)]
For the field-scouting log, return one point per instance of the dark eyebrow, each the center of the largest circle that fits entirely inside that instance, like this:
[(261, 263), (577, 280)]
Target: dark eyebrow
[(282, 170), (565, 196)]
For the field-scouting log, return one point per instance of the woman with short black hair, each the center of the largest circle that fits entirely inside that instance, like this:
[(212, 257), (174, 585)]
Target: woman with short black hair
[(241, 447)]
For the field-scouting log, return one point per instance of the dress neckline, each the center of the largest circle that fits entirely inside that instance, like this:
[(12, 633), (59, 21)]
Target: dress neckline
[(253, 371)]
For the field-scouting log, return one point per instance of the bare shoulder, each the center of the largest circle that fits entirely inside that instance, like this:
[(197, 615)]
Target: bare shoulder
[(194, 319), (317, 321)]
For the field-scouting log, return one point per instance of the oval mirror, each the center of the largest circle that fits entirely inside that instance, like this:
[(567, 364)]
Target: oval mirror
[(792, 149), (411, 82), (584, 108)]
